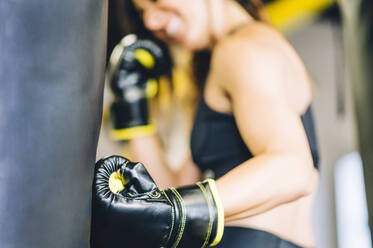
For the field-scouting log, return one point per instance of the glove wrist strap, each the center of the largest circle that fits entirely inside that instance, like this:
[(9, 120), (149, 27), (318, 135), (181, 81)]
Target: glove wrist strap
[(133, 132), (219, 210)]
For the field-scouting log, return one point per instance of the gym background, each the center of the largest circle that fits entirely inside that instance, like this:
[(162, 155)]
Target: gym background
[(46, 127)]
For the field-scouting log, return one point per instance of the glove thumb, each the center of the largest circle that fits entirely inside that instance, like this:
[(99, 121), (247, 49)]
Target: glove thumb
[(138, 179)]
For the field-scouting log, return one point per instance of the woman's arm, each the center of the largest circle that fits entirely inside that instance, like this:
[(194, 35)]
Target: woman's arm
[(282, 168), (148, 150)]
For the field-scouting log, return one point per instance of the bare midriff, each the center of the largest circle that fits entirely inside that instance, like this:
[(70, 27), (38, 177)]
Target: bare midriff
[(291, 221)]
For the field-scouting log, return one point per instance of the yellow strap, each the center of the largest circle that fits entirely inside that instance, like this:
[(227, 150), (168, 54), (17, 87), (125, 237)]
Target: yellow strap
[(145, 58), (219, 209), (286, 14), (173, 216), (133, 132), (180, 202), (209, 205)]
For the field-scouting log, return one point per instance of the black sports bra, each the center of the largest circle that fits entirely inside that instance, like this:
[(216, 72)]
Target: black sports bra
[(217, 146)]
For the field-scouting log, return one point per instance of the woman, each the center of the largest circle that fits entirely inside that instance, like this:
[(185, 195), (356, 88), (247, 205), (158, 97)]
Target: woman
[(253, 128)]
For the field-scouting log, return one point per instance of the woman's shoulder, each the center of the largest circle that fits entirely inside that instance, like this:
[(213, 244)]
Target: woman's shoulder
[(251, 54), (252, 40), (257, 59)]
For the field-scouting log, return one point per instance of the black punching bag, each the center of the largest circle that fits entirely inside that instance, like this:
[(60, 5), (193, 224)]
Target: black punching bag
[(52, 56)]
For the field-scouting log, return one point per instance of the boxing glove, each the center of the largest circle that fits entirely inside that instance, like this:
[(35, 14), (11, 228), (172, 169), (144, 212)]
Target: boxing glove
[(134, 68), (128, 210)]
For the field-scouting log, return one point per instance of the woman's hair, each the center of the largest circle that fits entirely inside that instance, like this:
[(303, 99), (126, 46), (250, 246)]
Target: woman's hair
[(131, 22)]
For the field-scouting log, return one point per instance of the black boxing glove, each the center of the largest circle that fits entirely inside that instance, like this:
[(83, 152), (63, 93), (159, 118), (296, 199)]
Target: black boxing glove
[(128, 210), (134, 68)]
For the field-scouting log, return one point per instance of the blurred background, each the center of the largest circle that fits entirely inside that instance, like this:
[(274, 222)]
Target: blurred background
[(334, 39)]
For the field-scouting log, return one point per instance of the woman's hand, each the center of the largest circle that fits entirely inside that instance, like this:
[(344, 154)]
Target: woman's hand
[(129, 210), (134, 68)]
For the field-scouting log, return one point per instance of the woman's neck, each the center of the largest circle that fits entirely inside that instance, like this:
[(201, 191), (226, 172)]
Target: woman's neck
[(230, 17)]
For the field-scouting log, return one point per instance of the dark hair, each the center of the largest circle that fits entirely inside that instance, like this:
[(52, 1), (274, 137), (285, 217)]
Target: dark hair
[(123, 19), (131, 22)]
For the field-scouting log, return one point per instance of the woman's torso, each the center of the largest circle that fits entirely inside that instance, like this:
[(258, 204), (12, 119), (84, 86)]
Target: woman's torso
[(217, 148)]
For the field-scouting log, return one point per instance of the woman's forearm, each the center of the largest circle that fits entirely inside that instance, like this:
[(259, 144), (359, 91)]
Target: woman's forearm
[(148, 150), (253, 187), (265, 182)]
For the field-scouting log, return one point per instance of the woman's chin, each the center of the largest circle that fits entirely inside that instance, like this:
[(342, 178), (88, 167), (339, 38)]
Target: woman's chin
[(194, 45), (182, 41), (185, 42)]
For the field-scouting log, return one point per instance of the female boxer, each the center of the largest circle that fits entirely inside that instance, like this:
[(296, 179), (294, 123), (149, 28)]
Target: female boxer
[(253, 127)]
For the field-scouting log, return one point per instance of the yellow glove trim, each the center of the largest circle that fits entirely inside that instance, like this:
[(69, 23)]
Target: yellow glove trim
[(133, 132), (220, 211), (116, 182), (180, 203), (151, 88), (209, 204), (173, 216), (145, 58)]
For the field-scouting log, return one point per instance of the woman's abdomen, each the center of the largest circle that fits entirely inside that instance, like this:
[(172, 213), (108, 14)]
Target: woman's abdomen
[(290, 221)]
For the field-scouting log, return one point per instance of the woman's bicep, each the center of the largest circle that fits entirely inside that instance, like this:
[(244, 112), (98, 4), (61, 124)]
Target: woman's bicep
[(267, 123), (255, 82)]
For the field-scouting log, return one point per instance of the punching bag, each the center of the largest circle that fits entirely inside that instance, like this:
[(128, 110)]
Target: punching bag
[(358, 36), (52, 56)]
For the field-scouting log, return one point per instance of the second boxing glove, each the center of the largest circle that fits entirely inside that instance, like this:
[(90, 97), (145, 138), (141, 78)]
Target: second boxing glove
[(134, 68), (130, 211)]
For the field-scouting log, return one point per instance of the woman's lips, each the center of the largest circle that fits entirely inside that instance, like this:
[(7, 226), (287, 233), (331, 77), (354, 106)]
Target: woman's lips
[(169, 29)]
